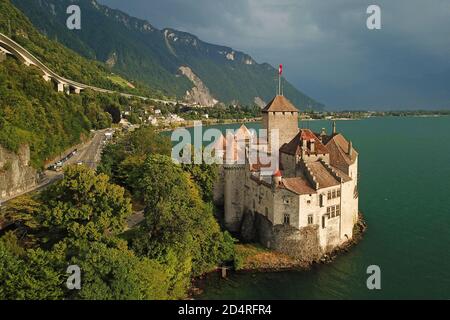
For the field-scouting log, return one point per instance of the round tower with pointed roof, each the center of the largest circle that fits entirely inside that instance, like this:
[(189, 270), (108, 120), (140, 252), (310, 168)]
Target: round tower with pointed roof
[(280, 114)]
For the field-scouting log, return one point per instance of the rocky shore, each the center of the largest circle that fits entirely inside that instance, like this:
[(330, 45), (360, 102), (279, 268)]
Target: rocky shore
[(266, 260), (255, 259), (358, 233)]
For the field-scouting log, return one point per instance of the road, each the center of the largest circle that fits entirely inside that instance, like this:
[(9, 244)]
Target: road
[(89, 154), (12, 47)]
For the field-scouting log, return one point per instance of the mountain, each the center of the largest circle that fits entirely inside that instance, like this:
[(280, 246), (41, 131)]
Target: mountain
[(60, 59), (173, 62)]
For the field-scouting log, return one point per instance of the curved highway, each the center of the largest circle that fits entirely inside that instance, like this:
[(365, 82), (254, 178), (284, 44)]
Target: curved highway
[(13, 48)]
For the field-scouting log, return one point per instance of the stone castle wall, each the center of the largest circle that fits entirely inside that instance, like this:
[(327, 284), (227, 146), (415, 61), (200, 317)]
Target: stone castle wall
[(301, 244), (219, 186), (285, 122), (234, 197)]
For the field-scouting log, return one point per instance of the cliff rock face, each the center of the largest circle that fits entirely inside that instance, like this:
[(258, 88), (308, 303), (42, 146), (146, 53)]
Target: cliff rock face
[(16, 174), (260, 102), (199, 94)]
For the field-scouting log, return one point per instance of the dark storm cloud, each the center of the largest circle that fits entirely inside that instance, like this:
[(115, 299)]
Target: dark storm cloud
[(327, 50)]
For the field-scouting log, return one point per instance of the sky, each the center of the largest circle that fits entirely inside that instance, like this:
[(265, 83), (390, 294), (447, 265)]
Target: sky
[(325, 46)]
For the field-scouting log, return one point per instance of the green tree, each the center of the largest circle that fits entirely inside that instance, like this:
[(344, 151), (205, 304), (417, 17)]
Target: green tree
[(205, 176), (84, 205), (123, 160), (32, 275), (117, 274), (177, 220), (114, 111)]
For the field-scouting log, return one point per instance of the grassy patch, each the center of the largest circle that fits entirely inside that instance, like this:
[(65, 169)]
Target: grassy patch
[(120, 81), (256, 257)]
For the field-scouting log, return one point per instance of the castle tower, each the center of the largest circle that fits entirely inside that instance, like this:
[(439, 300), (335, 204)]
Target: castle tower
[(234, 176), (280, 115)]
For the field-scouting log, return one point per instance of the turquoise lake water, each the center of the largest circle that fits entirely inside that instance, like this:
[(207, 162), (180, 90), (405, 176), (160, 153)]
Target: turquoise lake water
[(404, 188)]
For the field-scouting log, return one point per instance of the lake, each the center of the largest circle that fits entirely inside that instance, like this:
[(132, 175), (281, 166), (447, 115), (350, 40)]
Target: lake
[(404, 166)]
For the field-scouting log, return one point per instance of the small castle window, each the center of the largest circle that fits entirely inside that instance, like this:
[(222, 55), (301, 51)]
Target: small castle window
[(267, 212), (339, 193), (310, 219), (287, 218), (334, 194), (338, 210), (329, 195), (323, 221)]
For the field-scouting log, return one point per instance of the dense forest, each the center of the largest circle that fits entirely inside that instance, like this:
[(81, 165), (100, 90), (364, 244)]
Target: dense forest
[(81, 221), (33, 113)]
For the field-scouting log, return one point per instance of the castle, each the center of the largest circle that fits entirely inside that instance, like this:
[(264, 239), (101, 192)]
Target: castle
[(308, 205)]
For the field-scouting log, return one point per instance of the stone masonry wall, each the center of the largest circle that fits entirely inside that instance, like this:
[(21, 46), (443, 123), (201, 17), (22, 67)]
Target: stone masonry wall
[(300, 244)]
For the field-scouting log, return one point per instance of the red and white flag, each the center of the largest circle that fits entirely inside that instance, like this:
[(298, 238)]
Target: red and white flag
[(280, 70)]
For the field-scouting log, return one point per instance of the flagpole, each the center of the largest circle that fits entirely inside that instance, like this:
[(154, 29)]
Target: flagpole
[(280, 70), (279, 84)]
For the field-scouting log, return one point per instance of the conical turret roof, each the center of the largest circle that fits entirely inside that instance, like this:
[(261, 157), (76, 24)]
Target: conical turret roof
[(280, 104)]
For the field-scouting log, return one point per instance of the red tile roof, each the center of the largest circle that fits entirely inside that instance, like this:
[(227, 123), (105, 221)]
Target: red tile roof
[(243, 133), (323, 176), (280, 104), (294, 147), (277, 174), (338, 147), (297, 185)]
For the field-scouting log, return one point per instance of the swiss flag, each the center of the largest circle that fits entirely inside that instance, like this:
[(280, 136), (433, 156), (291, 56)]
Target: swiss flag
[(280, 70)]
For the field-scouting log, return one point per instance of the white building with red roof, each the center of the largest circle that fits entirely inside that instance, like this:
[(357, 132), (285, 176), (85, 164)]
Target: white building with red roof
[(306, 206)]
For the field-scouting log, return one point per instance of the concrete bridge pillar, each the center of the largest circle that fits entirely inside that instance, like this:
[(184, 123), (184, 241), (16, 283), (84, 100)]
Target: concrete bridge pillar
[(47, 77), (75, 90), (2, 56), (60, 86)]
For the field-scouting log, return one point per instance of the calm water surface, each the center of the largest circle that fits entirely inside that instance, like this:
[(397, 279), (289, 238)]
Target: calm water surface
[(404, 168)]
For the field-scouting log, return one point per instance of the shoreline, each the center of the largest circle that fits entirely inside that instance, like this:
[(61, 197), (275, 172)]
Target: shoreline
[(214, 122), (292, 265)]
